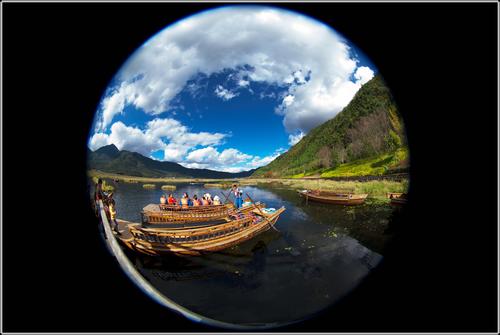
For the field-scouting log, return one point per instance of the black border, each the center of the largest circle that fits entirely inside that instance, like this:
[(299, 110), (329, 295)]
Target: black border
[(440, 61)]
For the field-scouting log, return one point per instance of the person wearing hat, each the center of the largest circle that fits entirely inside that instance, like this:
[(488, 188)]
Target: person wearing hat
[(238, 196), (216, 200)]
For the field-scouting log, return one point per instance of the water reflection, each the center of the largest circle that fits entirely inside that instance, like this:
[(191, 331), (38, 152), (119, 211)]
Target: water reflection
[(320, 253)]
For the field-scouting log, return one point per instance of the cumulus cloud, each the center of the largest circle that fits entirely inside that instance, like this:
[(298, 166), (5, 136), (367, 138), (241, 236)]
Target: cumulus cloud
[(127, 138), (263, 44), (225, 94), (243, 83), (363, 74), (210, 157), (179, 145), (261, 161), (229, 160), (294, 139), (168, 135)]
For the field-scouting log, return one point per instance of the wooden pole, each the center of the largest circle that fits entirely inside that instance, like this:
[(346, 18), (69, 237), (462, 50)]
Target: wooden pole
[(226, 196), (263, 215)]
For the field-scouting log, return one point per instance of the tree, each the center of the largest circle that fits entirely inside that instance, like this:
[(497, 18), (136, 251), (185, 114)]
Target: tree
[(325, 157), (368, 135)]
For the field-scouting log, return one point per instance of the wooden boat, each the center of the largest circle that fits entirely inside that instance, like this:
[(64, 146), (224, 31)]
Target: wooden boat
[(338, 198), (397, 198), (154, 214), (196, 238)]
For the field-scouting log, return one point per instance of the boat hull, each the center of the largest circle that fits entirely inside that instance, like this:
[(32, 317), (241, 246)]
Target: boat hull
[(397, 199), (211, 239), (341, 200)]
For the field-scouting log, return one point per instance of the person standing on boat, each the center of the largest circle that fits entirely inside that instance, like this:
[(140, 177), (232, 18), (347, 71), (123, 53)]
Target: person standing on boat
[(196, 201), (216, 200), (238, 196), (204, 201)]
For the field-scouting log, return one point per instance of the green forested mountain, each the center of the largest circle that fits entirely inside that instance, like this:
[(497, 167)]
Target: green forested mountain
[(367, 131), (110, 159)]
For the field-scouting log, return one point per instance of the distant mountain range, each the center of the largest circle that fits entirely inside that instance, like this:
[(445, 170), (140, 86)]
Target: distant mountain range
[(110, 159), (369, 126)]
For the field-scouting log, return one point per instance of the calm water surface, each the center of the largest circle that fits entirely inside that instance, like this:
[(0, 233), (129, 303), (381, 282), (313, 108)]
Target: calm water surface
[(320, 253)]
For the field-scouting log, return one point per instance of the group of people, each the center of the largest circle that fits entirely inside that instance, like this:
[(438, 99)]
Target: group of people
[(186, 201), (205, 200)]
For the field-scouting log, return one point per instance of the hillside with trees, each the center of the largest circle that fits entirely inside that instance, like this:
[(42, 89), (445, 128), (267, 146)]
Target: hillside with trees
[(366, 138)]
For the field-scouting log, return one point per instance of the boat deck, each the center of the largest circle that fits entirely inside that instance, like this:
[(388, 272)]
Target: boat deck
[(122, 225), (152, 208)]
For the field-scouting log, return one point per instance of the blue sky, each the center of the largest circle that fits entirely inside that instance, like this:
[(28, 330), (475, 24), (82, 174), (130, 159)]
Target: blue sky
[(229, 89)]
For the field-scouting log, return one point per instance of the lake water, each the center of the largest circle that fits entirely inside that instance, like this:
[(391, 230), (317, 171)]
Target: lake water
[(319, 255)]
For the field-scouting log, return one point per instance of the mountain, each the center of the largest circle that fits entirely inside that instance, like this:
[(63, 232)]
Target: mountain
[(110, 159), (368, 127)]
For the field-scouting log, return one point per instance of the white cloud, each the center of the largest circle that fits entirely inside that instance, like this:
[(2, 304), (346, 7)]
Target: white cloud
[(168, 135), (243, 83), (233, 156), (294, 139), (209, 157), (288, 100), (129, 138), (363, 74), (178, 144), (225, 94), (280, 47), (261, 161), (204, 155), (98, 140)]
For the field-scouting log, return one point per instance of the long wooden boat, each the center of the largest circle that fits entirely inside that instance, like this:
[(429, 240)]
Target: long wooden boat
[(154, 214), (338, 198), (397, 198), (197, 238)]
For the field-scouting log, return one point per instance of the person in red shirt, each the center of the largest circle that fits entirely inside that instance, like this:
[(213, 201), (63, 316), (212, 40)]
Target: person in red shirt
[(171, 200)]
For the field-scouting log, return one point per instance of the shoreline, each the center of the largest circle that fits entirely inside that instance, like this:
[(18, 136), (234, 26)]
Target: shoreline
[(375, 186)]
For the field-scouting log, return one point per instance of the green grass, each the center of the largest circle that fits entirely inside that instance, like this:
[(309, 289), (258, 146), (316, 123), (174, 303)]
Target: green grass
[(168, 187), (149, 186), (373, 166)]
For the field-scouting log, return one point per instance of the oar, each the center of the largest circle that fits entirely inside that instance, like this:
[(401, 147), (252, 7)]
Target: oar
[(226, 196), (263, 215)]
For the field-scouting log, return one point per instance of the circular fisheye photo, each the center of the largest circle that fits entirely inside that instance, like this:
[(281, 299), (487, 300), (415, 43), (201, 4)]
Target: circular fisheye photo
[(245, 165)]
